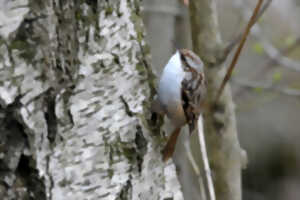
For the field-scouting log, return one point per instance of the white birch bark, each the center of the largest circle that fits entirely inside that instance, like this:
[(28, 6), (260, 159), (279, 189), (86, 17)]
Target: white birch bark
[(75, 91)]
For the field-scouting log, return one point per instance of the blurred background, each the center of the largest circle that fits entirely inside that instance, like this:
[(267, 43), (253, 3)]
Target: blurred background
[(265, 85)]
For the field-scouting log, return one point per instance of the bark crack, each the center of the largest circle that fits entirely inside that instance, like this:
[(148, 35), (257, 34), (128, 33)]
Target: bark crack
[(126, 192), (51, 122), (50, 115), (127, 108), (49, 176), (141, 144), (32, 181), (20, 172)]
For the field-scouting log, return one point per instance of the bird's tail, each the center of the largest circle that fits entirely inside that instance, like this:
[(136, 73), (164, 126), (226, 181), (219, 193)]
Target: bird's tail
[(170, 147)]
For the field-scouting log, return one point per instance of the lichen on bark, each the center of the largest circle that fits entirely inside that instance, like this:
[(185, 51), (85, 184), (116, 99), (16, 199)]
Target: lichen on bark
[(75, 75)]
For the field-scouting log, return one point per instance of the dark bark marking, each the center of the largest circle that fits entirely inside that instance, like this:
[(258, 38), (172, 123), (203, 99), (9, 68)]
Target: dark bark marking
[(126, 192), (50, 115), (141, 144), (34, 184), (127, 108)]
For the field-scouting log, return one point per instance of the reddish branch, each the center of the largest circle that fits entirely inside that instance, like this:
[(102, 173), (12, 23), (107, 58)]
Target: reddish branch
[(238, 38), (239, 49)]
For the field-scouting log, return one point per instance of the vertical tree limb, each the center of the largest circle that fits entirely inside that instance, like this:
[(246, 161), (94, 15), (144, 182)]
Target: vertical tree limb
[(225, 155)]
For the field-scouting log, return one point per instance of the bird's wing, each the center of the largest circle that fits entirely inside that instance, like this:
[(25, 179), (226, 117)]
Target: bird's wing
[(192, 95)]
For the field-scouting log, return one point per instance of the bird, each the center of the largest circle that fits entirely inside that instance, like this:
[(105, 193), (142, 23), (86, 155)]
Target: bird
[(181, 94)]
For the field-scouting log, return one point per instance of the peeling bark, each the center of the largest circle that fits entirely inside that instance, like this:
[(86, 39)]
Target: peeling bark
[(75, 90)]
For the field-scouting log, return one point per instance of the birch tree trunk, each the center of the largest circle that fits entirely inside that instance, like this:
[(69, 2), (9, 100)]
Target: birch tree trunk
[(225, 155), (75, 90)]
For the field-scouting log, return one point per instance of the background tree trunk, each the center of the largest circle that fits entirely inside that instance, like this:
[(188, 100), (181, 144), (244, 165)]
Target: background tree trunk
[(224, 152), (75, 90)]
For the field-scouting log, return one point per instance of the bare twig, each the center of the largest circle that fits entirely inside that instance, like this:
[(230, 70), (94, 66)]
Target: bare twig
[(269, 49), (267, 86), (207, 171), (238, 38), (283, 52), (274, 53), (194, 165), (207, 190), (238, 51), (270, 63)]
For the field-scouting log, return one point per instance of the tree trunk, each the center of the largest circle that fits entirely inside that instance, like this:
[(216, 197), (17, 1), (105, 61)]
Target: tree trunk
[(75, 90), (224, 152)]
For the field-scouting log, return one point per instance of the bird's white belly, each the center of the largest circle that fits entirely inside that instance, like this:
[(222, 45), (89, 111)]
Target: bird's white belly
[(169, 91)]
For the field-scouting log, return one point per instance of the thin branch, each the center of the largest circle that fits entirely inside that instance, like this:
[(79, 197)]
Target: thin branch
[(269, 49), (207, 189), (283, 52), (209, 183), (270, 63), (238, 38), (274, 53), (267, 86), (238, 51), (194, 165)]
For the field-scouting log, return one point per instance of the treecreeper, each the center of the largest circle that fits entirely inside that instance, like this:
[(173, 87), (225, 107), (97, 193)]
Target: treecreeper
[(180, 95)]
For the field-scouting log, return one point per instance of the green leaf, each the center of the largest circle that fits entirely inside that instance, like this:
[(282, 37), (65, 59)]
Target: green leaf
[(258, 89), (277, 76), (258, 48), (289, 40)]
